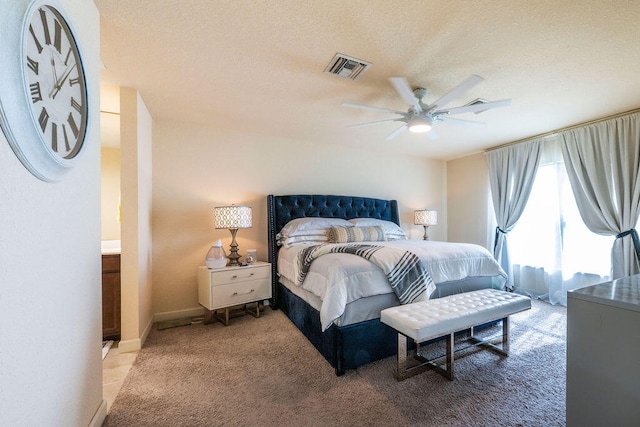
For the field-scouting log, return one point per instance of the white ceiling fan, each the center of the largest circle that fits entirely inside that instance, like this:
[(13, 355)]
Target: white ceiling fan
[(420, 117)]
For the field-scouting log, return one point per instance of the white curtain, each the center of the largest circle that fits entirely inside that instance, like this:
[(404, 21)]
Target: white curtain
[(551, 249), (603, 164), (512, 171)]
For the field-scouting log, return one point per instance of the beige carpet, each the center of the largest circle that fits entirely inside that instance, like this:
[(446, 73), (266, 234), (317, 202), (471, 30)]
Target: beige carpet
[(264, 372)]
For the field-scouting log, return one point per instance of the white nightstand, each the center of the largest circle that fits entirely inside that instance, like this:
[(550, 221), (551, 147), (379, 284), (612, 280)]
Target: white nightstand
[(233, 286)]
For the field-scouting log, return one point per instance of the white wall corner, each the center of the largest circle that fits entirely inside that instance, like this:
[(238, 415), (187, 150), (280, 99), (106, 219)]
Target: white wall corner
[(129, 346), (100, 415)]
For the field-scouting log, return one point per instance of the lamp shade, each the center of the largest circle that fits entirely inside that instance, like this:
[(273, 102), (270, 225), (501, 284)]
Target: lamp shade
[(426, 217), (232, 217)]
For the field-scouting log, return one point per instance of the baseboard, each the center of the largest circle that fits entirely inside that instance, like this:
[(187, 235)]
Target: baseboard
[(128, 346), (146, 332), (99, 416), (173, 315)]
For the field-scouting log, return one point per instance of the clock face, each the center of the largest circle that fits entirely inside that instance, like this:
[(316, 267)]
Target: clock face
[(55, 83)]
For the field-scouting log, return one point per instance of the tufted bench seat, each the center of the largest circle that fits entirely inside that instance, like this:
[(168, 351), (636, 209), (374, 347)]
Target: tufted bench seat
[(426, 320)]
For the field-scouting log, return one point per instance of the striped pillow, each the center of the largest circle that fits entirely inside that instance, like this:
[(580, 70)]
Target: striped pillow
[(356, 234)]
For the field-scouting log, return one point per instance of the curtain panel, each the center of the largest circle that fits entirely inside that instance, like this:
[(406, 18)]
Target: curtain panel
[(512, 171), (551, 249), (603, 165)]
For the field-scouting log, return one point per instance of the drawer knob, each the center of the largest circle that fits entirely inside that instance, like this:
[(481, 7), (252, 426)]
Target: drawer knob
[(235, 276), (243, 293)]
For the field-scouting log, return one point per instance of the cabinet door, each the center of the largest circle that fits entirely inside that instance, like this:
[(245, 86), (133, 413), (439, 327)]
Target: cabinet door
[(111, 297)]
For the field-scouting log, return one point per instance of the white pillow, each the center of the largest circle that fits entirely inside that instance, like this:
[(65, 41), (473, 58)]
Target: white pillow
[(391, 229), (311, 226), (311, 238)]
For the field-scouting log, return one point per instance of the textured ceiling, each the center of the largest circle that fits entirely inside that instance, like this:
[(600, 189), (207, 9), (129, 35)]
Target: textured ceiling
[(258, 66)]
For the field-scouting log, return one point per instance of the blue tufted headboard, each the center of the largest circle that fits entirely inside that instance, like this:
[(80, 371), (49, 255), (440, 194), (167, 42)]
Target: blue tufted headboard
[(282, 209)]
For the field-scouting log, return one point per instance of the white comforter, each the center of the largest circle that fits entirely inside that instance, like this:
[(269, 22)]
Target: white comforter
[(338, 279)]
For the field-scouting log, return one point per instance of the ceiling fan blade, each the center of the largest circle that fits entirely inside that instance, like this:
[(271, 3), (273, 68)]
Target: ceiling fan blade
[(358, 125), (456, 92), (402, 87), (396, 132), (467, 123), (477, 108), (369, 107)]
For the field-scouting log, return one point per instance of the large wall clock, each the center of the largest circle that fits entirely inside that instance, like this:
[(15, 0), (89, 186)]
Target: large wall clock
[(43, 94)]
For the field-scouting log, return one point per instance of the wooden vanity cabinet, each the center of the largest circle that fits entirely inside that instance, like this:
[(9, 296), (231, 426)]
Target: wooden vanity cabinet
[(111, 297)]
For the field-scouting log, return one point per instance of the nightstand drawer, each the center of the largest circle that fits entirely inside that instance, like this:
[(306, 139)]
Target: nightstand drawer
[(225, 277), (240, 293), (231, 286)]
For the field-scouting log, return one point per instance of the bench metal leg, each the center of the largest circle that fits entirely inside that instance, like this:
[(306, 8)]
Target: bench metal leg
[(449, 372), (403, 371), (504, 351), (505, 336), (401, 358)]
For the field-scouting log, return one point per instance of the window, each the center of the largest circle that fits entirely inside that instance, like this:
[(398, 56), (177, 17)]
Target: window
[(551, 248)]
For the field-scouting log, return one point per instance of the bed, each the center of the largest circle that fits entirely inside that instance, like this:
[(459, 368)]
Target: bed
[(352, 335)]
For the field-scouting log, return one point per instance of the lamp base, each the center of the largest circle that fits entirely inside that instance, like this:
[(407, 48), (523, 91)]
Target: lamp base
[(425, 237), (233, 252)]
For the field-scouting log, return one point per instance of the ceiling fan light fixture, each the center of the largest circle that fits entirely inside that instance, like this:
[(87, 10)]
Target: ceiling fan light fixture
[(420, 117), (419, 125)]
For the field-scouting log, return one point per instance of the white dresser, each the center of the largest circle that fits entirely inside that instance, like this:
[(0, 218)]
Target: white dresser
[(603, 354), (227, 287)]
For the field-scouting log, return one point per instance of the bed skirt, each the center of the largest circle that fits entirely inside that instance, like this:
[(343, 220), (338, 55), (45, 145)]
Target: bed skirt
[(345, 347), (350, 346)]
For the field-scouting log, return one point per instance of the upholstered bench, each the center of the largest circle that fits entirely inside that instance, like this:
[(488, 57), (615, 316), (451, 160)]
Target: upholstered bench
[(426, 320)]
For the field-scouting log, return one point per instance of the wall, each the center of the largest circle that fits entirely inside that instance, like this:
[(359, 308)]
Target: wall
[(469, 205), (196, 168), (136, 289), (110, 159), (110, 192), (50, 282)]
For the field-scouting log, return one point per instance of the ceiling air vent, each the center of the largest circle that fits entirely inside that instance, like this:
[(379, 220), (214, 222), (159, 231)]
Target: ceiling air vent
[(346, 67)]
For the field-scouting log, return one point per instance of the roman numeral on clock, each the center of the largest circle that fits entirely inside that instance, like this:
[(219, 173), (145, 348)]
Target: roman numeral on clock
[(66, 138), (33, 65), (36, 95), (66, 59), (57, 39), (73, 125), (54, 136), (45, 26), (75, 104), (35, 39), (43, 119)]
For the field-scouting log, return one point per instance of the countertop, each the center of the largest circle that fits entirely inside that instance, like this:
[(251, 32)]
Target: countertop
[(110, 247), (621, 293)]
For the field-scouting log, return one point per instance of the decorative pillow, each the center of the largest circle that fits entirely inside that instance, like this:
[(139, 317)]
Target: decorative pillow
[(312, 238), (311, 225), (356, 234), (391, 229), (321, 233)]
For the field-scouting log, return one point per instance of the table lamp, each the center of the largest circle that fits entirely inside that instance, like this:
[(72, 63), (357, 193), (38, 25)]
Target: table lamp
[(233, 217), (426, 218)]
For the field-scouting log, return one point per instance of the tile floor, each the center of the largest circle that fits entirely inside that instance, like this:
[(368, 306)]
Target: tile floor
[(115, 368)]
